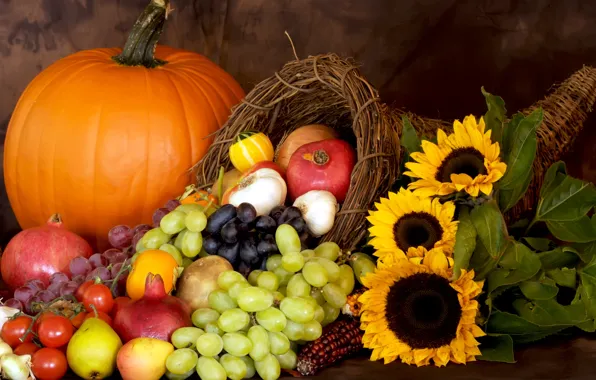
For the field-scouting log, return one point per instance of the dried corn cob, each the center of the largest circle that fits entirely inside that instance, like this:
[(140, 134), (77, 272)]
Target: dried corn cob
[(340, 339), (353, 306)]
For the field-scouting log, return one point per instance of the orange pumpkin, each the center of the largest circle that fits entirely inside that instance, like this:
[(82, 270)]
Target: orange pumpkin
[(106, 136)]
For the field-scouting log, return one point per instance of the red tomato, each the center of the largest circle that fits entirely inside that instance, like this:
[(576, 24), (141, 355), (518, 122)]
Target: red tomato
[(55, 331), (49, 364), (81, 289), (78, 319), (99, 296), (28, 348), (119, 303), (101, 315), (13, 331), (39, 319)]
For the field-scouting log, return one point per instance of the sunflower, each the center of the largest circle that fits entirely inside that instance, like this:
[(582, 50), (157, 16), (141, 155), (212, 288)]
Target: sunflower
[(409, 226), (414, 313), (465, 160)]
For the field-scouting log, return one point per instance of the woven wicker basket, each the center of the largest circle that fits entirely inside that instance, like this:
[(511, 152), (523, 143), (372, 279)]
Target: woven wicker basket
[(323, 89)]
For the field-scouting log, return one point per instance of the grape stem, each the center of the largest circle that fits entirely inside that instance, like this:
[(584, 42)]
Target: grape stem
[(123, 269), (43, 308), (92, 306)]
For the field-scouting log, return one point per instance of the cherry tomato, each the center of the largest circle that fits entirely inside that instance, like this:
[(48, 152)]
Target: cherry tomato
[(49, 364), (99, 296), (39, 319), (55, 331), (28, 348), (119, 303), (81, 290), (78, 319), (13, 331), (101, 315)]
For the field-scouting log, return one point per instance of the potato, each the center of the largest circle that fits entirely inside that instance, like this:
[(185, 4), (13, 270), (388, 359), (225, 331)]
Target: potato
[(199, 279)]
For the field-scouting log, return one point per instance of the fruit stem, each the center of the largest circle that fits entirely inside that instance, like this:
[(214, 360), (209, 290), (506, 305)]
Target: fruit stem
[(319, 157), (55, 220), (92, 306), (123, 269), (139, 49)]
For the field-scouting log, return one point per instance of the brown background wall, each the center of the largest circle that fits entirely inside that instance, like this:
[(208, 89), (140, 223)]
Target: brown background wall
[(428, 56)]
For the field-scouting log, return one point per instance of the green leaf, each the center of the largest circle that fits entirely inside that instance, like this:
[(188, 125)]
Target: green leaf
[(496, 348), (508, 131), (554, 175), (564, 277), (551, 313), (587, 277), (465, 242), (501, 322), (509, 197), (558, 258), (409, 139), (574, 231), (538, 244), (522, 151), (567, 200), (543, 289), (495, 116), (518, 264), (586, 251), (490, 228)]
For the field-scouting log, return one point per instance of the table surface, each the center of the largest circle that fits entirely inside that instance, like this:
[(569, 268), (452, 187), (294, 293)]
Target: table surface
[(556, 359)]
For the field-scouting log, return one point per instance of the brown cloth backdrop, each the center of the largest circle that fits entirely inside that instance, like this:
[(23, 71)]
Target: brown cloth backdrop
[(428, 56)]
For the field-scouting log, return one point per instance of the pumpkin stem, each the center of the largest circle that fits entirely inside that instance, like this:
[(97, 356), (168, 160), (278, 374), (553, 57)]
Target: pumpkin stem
[(139, 49)]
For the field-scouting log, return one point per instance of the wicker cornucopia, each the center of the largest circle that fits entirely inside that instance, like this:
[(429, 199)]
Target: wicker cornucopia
[(323, 89)]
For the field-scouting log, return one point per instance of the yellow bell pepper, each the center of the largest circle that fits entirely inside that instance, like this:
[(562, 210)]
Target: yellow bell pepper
[(250, 148)]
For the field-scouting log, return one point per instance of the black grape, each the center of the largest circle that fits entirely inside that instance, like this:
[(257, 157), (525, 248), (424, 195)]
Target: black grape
[(298, 223), (246, 212), (267, 246), (220, 217), (277, 212), (229, 232), (289, 213), (211, 245), (248, 252), (229, 252), (266, 224)]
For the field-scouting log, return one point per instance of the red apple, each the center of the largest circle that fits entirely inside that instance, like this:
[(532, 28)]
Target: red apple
[(321, 165)]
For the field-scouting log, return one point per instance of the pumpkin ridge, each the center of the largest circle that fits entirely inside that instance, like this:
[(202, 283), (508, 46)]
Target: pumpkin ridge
[(187, 125), (222, 81)]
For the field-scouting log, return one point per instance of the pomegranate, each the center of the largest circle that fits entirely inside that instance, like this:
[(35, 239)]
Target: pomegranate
[(321, 165), (155, 315), (38, 252)]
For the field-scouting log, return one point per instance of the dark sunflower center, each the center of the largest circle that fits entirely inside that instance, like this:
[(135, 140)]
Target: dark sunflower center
[(417, 229), (423, 311), (461, 161)]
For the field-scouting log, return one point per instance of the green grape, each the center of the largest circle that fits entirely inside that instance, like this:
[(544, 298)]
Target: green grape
[(173, 251), (272, 319), (186, 208), (233, 320), (315, 274), (328, 250), (311, 301), (331, 314), (331, 268), (203, 253), (362, 264), (173, 376), (334, 295), (287, 239), (186, 337), (178, 240), (298, 287), (293, 330), (346, 279), (135, 256), (279, 343), (292, 262), (312, 330), (237, 344), (260, 342), (221, 301), (287, 360), (192, 242), (268, 280), (154, 238), (252, 277), (173, 222), (308, 254), (297, 309), (317, 295), (182, 361), (268, 368), (195, 221), (273, 262), (209, 344), (202, 316), (250, 367), (319, 313), (210, 369), (213, 328), (277, 297), (236, 288), (186, 262), (283, 275), (252, 299), (234, 366), (227, 278), (283, 290)]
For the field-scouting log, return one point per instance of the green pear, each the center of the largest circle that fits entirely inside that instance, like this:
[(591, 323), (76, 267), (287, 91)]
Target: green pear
[(93, 349)]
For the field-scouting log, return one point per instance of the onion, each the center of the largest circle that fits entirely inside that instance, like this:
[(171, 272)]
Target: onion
[(5, 349), (6, 313), (301, 136), (16, 367), (318, 208)]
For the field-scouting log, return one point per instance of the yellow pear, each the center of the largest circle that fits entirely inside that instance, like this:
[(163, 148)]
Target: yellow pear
[(92, 350), (144, 358)]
